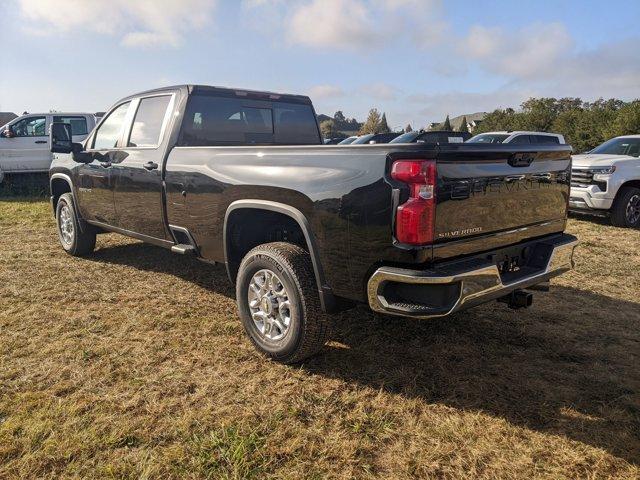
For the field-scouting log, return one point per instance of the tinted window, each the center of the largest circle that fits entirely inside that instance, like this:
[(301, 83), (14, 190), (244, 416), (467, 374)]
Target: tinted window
[(78, 124), (408, 137), (295, 124), (544, 139), (362, 139), (520, 139), (211, 120), (110, 130), (488, 138), (148, 121), (29, 127)]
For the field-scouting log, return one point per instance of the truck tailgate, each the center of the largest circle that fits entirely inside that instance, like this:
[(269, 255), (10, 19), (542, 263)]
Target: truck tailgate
[(494, 195)]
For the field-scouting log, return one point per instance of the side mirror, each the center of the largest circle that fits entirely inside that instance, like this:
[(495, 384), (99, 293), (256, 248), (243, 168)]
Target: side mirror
[(60, 139)]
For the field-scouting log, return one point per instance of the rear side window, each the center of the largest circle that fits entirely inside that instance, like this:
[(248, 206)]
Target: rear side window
[(544, 139), (520, 139), (78, 123), (110, 130), (147, 124), (211, 121)]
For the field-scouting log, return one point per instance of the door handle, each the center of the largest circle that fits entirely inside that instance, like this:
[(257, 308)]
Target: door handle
[(105, 164), (150, 166), (41, 141)]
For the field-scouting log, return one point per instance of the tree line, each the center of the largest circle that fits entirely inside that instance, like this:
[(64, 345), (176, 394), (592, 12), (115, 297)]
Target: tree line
[(584, 125)]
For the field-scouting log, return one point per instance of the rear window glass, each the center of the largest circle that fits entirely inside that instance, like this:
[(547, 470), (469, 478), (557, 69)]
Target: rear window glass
[(78, 124), (544, 139), (211, 121), (488, 138)]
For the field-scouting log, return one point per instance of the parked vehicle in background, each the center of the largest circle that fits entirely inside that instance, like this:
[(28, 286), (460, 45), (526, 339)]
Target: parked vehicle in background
[(24, 141), (606, 181), (422, 136), (242, 178), (372, 138), (520, 138), (333, 141), (348, 140)]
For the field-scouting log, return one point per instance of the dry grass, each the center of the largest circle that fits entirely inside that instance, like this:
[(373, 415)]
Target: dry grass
[(132, 364)]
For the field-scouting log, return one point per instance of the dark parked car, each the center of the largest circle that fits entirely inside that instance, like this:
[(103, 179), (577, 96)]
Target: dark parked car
[(373, 138), (241, 178), (421, 136)]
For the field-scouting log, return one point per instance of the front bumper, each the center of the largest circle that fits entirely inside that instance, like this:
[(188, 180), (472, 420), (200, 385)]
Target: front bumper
[(459, 285), (590, 198)]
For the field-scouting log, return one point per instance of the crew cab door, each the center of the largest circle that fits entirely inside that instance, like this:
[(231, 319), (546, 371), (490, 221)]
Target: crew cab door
[(95, 181), (138, 175), (28, 149)]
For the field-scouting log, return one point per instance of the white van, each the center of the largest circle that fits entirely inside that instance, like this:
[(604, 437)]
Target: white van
[(24, 141)]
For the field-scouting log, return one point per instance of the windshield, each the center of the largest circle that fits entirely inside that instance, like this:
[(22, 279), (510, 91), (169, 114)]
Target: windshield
[(619, 146), (408, 137), (362, 139), (488, 138), (347, 141)]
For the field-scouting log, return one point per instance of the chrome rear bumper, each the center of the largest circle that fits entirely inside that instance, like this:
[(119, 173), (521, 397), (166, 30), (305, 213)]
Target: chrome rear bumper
[(469, 283)]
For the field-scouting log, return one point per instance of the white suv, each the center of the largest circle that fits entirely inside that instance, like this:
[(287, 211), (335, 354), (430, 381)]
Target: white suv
[(520, 137), (606, 181)]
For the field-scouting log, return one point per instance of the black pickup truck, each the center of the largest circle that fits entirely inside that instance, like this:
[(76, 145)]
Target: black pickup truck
[(304, 229)]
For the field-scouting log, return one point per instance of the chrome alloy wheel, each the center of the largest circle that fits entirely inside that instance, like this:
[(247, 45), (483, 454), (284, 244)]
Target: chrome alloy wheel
[(65, 223), (269, 305), (633, 210)]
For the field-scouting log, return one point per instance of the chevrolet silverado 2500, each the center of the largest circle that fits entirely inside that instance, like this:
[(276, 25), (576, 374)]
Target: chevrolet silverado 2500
[(304, 229)]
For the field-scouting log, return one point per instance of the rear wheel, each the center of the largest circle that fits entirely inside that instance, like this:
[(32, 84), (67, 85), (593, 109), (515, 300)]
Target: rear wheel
[(75, 242), (626, 208), (279, 303)]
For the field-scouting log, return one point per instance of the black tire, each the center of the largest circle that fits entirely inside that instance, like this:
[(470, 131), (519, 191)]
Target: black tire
[(75, 242), (309, 327), (627, 199)]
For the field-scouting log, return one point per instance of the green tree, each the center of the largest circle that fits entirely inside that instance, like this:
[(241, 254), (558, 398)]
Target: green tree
[(463, 126), (408, 128), (372, 123), (627, 121), (384, 126), (328, 129), (446, 126)]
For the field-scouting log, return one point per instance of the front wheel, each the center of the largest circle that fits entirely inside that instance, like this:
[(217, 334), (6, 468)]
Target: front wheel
[(279, 303), (75, 242), (626, 208)]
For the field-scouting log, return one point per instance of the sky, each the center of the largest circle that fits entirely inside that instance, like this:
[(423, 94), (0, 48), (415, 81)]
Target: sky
[(416, 60)]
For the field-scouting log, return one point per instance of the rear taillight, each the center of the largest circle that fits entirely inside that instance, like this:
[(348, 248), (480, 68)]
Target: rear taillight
[(415, 219)]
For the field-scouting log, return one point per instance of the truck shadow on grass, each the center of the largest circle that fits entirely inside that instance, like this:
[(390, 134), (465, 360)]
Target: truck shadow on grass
[(568, 366)]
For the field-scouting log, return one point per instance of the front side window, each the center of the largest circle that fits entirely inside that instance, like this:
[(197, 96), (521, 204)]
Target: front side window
[(147, 124), (30, 127), (520, 140), (110, 130), (78, 124)]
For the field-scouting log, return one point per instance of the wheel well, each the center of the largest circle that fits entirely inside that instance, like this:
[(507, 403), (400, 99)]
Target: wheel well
[(247, 228), (59, 187), (631, 183)]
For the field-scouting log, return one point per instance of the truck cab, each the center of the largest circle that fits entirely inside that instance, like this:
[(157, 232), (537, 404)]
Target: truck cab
[(24, 142)]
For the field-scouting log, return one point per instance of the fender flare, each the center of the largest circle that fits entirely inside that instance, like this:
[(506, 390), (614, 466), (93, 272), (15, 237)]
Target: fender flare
[(63, 176), (327, 299)]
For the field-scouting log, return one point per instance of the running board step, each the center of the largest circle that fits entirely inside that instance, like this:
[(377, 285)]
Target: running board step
[(184, 249)]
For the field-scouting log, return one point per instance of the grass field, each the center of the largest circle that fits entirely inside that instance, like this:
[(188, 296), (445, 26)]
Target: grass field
[(133, 364)]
